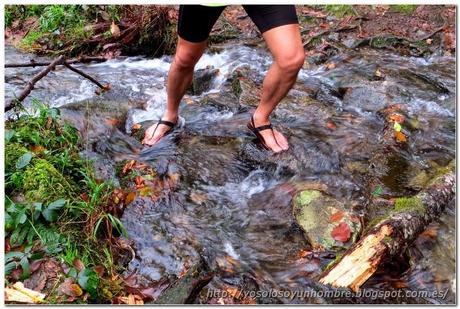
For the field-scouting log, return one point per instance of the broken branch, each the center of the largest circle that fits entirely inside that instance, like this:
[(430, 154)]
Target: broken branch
[(30, 85), (391, 236)]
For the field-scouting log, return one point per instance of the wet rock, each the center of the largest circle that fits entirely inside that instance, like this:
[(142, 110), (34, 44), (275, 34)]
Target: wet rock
[(306, 155), (202, 80), (104, 169), (329, 95), (327, 222), (368, 97), (186, 288)]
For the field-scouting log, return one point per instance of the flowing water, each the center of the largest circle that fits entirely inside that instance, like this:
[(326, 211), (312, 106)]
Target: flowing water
[(231, 202)]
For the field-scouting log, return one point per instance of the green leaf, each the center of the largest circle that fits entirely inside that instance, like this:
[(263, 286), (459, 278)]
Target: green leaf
[(378, 191), (10, 267), (9, 222), (397, 127), (50, 212), (24, 160), (9, 134), (10, 256), (88, 280), (21, 218), (24, 262)]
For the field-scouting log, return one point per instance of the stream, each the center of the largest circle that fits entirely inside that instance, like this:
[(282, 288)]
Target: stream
[(230, 203)]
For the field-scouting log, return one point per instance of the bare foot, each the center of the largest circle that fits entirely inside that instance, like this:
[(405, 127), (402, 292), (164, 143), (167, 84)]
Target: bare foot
[(153, 136), (273, 139)]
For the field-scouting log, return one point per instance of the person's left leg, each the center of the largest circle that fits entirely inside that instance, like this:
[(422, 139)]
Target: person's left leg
[(285, 44)]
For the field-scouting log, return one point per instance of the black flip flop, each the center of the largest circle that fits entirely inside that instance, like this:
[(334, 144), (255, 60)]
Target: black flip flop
[(256, 131), (170, 124)]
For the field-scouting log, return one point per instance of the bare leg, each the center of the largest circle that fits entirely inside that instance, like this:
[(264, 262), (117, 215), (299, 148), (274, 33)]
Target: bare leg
[(285, 44), (180, 77)]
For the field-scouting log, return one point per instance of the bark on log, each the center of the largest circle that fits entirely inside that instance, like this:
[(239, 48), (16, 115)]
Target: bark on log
[(32, 63), (391, 236), (30, 85)]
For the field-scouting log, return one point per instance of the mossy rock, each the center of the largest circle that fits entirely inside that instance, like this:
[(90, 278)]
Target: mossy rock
[(318, 215)]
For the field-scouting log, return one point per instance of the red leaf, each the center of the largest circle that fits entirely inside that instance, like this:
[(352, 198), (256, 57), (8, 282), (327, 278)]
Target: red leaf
[(336, 216), (341, 232)]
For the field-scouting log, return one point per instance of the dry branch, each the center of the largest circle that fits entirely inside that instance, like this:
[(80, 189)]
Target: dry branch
[(30, 85), (33, 63), (10, 104), (391, 236)]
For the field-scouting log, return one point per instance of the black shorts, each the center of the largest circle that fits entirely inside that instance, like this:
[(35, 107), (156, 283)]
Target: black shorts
[(196, 21)]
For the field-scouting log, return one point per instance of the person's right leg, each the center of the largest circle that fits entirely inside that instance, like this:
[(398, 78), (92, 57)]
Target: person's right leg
[(195, 24)]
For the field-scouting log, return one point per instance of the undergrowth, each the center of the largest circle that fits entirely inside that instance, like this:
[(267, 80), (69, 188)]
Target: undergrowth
[(54, 205)]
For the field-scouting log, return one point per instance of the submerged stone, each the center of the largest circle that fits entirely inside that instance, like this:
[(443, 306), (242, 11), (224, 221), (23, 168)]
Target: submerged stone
[(325, 221)]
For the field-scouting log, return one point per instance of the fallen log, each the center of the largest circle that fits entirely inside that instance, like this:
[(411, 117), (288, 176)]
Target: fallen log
[(392, 235), (33, 63)]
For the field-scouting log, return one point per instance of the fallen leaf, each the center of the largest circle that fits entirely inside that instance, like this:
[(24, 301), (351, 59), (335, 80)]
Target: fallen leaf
[(396, 118), (400, 137), (69, 288), (378, 73), (115, 30), (136, 126), (430, 232), (99, 269), (397, 127), (130, 197), (78, 264), (331, 125), (37, 149), (341, 232), (336, 216), (330, 65), (128, 166), (429, 41)]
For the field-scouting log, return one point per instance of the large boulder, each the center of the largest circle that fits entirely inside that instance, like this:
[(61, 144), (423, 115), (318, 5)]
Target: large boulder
[(327, 223)]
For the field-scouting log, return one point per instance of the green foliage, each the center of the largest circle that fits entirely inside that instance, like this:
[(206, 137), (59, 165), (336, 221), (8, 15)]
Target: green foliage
[(403, 8), (51, 192), (340, 10)]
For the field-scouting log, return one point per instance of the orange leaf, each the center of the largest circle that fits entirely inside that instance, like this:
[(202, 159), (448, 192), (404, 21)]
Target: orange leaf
[(400, 137), (128, 166), (139, 180), (130, 197), (136, 126), (336, 216), (396, 118), (37, 149), (341, 232)]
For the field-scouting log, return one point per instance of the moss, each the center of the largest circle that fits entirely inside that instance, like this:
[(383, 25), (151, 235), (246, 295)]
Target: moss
[(408, 204), (236, 87), (13, 152), (43, 182), (307, 196)]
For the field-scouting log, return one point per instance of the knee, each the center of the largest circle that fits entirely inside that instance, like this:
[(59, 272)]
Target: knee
[(292, 62), (185, 60)]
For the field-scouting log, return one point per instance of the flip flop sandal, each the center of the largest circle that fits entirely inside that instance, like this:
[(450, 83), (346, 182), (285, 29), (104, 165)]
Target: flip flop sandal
[(172, 125), (256, 131)]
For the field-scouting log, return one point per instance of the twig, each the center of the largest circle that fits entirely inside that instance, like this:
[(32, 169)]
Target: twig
[(30, 85), (67, 65), (32, 63)]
